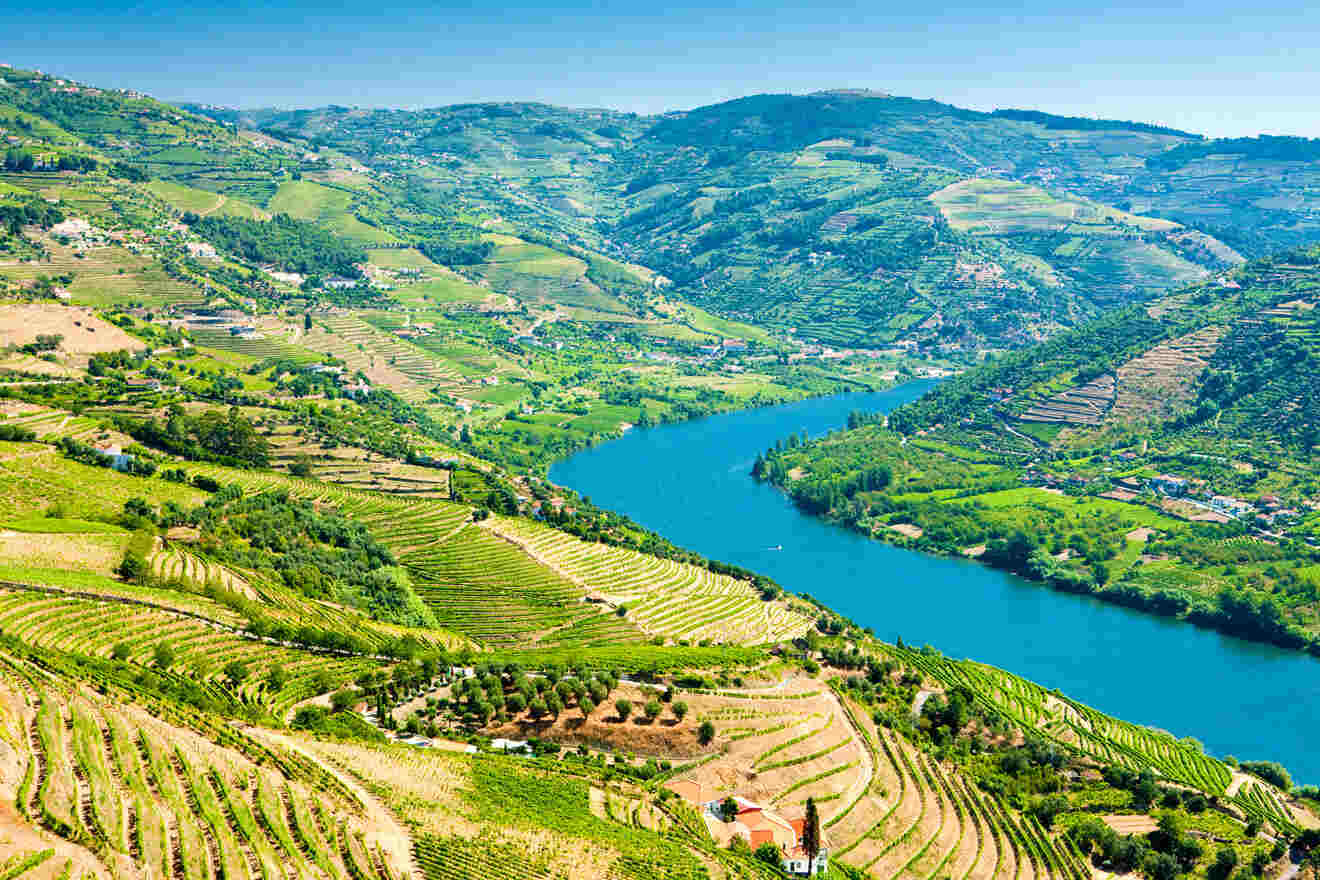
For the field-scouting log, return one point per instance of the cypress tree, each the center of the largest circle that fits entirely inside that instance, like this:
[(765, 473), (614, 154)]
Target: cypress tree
[(811, 834)]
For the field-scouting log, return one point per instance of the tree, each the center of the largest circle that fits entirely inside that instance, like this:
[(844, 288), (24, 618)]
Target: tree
[(769, 853), (121, 651), (652, 709), (680, 709), (587, 706), (276, 678), (163, 655), (1160, 866), (343, 700), (236, 672), (132, 567), (553, 704), (705, 733), (1047, 808), (811, 833), (624, 708), (728, 809), (515, 703)]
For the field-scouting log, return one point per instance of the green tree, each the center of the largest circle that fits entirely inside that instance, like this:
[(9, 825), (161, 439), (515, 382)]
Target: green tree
[(769, 853), (1047, 808), (1160, 866), (623, 707), (236, 672), (163, 655), (133, 567), (652, 709), (121, 651), (276, 679), (728, 809), (587, 706), (1226, 860), (343, 700), (705, 733), (680, 709)]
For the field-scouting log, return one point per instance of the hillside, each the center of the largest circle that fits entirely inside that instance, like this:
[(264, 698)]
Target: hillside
[(855, 218), (162, 722), (286, 595), (1162, 457)]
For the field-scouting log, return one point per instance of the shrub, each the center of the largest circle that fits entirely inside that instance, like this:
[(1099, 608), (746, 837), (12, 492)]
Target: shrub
[(163, 655)]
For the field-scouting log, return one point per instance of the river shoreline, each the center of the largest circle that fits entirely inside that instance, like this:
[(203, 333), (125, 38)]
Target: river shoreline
[(690, 482), (1134, 602)]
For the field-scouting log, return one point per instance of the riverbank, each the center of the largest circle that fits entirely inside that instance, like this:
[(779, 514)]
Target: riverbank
[(690, 483), (1100, 525), (1247, 621)]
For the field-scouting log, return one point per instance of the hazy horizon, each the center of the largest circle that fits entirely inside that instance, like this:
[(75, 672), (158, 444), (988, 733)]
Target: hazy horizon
[(1221, 73)]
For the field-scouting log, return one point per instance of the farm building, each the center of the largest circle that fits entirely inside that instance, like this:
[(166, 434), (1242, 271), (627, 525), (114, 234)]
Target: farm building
[(757, 825), (1169, 484)]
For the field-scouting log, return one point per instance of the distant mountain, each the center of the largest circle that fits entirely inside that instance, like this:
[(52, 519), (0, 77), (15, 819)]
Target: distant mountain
[(852, 217)]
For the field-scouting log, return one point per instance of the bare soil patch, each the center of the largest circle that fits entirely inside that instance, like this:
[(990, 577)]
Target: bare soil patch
[(84, 333), (1130, 824)]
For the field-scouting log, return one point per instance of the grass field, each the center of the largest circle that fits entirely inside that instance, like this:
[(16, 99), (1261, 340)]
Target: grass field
[(202, 202)]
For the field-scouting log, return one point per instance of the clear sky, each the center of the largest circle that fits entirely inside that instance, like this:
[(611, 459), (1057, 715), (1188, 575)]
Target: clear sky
[(1216, 67)]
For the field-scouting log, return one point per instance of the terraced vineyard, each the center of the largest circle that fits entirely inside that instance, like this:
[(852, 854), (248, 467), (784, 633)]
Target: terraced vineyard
[(517, 583), (888, 809), (414, 373), (662, 597), (51, 425), (202, 647), (155, 789), (1106, 739), (478, 817)]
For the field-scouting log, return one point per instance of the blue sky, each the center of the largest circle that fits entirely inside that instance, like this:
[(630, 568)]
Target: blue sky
[(1214, 67)]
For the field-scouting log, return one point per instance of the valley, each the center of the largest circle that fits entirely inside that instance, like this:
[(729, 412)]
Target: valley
[(380, 495)]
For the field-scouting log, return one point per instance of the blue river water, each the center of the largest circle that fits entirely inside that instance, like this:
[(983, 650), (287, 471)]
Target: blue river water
[(690, 482)]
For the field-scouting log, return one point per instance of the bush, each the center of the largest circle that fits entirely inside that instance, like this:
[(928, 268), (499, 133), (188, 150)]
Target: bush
[(769, 853), (1270, 771), (133, 567)]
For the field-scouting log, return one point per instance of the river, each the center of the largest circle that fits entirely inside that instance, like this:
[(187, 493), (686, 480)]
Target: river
[(690, 482)]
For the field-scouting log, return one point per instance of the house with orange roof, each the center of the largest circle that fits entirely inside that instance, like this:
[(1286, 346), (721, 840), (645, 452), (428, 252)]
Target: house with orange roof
[(758, 825)]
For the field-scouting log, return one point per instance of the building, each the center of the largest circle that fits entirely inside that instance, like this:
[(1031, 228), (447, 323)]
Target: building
[(1234, 507), (755, 824), (119, 460), (1169, 485), (511, 746)]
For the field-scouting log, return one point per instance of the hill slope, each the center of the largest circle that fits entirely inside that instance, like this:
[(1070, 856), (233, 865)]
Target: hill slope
[(1162, 457)]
